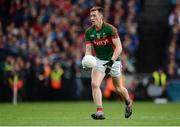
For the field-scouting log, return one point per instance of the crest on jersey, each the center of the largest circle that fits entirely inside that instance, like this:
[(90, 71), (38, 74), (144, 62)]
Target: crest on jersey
[(98, 35), (92, 35), (104, 35)]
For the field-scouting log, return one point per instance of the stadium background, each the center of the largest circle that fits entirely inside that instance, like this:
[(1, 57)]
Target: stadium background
[(39, 37), (41, 47)]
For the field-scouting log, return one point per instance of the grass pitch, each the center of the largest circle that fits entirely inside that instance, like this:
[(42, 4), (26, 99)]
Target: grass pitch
[(78, 114)]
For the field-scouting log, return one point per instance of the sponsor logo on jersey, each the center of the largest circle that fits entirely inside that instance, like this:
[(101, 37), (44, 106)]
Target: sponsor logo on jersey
[(102, 42)]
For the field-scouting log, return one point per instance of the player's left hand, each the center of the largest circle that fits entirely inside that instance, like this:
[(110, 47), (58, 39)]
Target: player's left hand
[(108, 66)]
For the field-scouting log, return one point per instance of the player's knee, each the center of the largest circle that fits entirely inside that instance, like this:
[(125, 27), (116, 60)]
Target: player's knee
[(94, 85)]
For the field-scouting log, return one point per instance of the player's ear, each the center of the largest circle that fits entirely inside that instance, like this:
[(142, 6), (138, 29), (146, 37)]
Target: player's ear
[(101, 15)]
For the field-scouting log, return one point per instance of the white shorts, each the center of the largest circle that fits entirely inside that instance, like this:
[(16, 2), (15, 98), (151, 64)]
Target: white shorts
[(115, 70)]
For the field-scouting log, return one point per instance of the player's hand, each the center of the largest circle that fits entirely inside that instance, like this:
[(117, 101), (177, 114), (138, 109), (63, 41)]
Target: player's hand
[(86, 68), (108, 66)]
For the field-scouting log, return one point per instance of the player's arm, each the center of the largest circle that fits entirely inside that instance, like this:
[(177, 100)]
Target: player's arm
[(117, 44), (118, 48), (88, 48), (117, 52)]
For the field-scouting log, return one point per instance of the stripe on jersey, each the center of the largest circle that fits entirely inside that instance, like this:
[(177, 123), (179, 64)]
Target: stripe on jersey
[(88, 42)]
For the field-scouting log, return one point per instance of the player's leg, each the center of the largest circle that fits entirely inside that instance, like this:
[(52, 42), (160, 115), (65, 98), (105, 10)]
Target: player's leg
[(96, 79), (120, 87), (122, 91)]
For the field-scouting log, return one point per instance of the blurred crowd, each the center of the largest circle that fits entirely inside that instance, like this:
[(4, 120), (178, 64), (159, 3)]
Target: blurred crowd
[(173, 48), (44, 36)]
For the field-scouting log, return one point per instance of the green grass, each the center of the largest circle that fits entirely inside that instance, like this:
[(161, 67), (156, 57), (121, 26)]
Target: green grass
[(78, 113)]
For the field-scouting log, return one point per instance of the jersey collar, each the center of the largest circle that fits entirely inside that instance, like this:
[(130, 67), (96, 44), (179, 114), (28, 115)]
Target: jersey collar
[(97, 29)]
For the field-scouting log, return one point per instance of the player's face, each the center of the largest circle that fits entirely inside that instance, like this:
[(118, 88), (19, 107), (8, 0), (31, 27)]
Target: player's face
[(95, 17)]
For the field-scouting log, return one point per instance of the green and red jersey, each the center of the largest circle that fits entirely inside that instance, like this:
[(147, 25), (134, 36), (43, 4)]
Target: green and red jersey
[(102, 40)]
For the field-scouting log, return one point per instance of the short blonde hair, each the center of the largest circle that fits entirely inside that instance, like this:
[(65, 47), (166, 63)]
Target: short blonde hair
[(97, 8)]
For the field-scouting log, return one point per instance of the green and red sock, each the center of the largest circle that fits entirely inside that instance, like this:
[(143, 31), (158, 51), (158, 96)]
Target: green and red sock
[(99, 109)]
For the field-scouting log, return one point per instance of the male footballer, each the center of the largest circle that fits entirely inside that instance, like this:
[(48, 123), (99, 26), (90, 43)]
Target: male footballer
[(104, 39)]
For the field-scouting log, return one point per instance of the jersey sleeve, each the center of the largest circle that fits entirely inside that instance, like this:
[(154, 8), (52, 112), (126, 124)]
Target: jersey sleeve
[(114, 32), (87, 38)]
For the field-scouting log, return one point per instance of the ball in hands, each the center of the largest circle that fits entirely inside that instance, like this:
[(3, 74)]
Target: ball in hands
[(88, 61)]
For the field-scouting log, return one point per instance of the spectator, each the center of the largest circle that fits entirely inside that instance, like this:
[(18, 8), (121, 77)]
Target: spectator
[(158, 83), (54, 29)]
